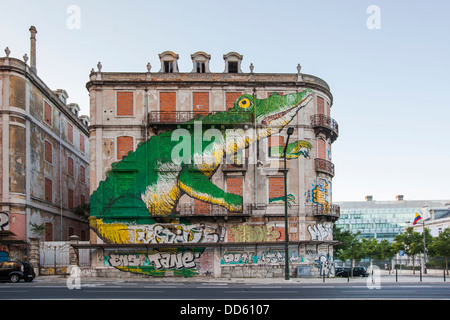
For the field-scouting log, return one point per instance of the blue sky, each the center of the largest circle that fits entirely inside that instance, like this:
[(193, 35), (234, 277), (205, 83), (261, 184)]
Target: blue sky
[(389, 84)]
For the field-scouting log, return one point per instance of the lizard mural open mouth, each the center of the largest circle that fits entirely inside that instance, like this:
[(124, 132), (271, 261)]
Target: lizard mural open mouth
[(266, 121)]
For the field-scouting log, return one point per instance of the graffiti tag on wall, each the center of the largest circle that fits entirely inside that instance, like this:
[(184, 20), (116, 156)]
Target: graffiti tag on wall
[(183, 262), (262, 257)]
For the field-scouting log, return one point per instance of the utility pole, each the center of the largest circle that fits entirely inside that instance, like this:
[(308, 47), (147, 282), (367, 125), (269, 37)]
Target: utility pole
[(286, 222)]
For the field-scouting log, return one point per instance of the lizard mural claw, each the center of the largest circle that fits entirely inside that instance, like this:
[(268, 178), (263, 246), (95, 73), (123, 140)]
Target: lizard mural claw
[(149, 182)]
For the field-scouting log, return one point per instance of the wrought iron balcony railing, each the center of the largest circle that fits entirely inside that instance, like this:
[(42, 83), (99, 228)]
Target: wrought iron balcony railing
[(317, 210), (325, 166), (223, 118), (321, 121), (205, 209)]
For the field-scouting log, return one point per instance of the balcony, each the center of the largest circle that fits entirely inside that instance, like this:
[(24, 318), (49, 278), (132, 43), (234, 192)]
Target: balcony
[(325, 166), (203, 209), (226, 118), (317, 210), (323, 123)]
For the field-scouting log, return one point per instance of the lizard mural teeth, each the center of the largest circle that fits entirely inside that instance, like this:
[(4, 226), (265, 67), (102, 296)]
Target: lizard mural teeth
[(149, 182)]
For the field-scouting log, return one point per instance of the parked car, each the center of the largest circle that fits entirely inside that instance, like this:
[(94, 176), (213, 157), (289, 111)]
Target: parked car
[(14, 271), (357, 272)]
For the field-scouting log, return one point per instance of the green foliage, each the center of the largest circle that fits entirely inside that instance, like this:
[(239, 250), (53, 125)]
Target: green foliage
[(37, 229)]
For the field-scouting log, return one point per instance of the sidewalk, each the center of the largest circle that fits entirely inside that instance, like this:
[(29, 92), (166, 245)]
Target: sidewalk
[(403, 276)]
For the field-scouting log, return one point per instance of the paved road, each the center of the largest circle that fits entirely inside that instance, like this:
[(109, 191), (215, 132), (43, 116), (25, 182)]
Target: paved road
[(225, 290)]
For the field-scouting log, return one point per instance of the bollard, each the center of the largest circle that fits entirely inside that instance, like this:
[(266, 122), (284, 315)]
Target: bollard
[(396, 274), (444, 274), (420, 273)]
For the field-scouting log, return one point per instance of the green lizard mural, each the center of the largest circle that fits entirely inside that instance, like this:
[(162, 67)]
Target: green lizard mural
[(150, 180)]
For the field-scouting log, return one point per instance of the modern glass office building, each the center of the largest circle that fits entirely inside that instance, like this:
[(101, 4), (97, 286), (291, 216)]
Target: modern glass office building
[(382, 219)]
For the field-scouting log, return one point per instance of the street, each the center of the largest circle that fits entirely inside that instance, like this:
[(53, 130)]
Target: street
[(222, 290)]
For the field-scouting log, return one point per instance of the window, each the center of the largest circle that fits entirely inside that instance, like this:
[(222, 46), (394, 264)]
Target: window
[(70, 166), (47, 113), (71, 231), (48, 231), (82, 174), (276, 187), (230, 98), (48, 151), (70, 133), (124, 145), (81, 143), (276, 141), (201, 67), (70, 198), (125, 104), (232, 67), (168, 66), (48, 190), (82, 199)]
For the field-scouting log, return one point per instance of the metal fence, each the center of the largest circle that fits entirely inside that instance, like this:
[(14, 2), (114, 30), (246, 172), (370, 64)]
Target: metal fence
[(55, 254)]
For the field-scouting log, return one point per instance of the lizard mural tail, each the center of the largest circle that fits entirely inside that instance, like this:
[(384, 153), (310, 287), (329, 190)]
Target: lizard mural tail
[(149, 181)]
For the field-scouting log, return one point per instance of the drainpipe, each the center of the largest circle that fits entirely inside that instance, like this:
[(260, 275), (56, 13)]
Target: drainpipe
[(60, 180)]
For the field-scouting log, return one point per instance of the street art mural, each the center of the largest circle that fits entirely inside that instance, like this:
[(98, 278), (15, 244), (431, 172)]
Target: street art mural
[(150, 180), (137, 202), (320, 194), (321, 231), (179, 261), (259, 258)]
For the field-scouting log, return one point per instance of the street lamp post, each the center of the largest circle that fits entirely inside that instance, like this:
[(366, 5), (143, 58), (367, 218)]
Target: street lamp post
[(286, 224)]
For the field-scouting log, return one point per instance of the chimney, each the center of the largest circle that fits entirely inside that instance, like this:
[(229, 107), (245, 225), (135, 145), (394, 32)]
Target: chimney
[(399, 197), (33, 32), (369, 198)]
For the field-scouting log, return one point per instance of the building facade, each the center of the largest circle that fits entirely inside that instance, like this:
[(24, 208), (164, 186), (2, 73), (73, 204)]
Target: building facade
[(187, 172), (382, 219), (44, 159)]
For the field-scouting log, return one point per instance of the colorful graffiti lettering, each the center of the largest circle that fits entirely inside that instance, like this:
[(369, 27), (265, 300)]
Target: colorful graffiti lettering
[(158, 262), (263, 257), (178, 233), (250, 233), (321, 231)]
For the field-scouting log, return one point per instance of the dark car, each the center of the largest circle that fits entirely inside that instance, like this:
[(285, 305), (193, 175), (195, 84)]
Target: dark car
[(357, 272), (16, 270)]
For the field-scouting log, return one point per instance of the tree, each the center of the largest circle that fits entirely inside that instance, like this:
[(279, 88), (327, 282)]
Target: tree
[(369, 248), (38, 229), (412, 242), (441, 246), (386, 250), (349, 246)]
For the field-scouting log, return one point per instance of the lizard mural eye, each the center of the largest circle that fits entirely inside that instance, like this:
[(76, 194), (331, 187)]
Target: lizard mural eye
[(245, 103)]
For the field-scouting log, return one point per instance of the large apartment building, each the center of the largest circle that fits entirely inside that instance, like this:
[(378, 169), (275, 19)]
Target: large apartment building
[(219, 208), (44, 158)]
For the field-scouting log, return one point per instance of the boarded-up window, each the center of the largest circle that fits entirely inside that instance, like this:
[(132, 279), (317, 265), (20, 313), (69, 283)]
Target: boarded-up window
[(82, 174), (47, 114), (321, 148), (81, 143), (48, 231), (70, 198), (70, 133), (48, 151), (70, 166), (124, 103), (200, 101), (320, 106), (167, 106), (276, 187), (48, 190), (230, 98), (124, 145)]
